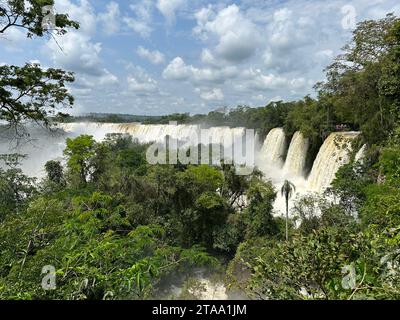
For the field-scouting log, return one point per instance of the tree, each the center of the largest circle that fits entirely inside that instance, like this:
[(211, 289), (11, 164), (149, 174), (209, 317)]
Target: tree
[(309, 267), (288, 189), (30, 15), (16, 189), (30, 92), (210, 214), (88, 246), (80, 152), (198, 208), (54, 171), (195, 181), (389, 83), (365, 77), (260, 222), (234, 186)]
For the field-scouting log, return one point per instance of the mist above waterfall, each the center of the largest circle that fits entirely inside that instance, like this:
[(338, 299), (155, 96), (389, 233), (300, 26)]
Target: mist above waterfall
[(39, 147)]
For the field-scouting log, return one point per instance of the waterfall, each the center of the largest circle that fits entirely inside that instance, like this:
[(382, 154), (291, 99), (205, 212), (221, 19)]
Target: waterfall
[(361, 154), (333, 154), (293, 170), (234, 148), (95, 129), (273, 149), (154, 132), (269, 156), (270, 162), (296, 157)]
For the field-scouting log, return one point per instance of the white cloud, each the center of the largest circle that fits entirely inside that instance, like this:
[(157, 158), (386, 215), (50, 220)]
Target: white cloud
[(141, 83), (155, 57), (75, 50), (215, 94), (142, 21), (252, 51), (82, 11), (289, 30), (179, 70), (78, 53), (107, 78), (237, 36), (254, 79), (169, 7), (81, 55), (35, 61), (140, 27), (325, 54), (203, 16), (258, 81), (211, 75), (86, 85), (208, 58), (142, 87), (282, 29), (13, 40), (289, 38), (110, 19), (259, 97), (81, 92)]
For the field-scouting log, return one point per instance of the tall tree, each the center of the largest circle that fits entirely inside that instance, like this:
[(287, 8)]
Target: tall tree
[(288, 189), (260, 197), (54, 171), (30, 93), (80, 152)]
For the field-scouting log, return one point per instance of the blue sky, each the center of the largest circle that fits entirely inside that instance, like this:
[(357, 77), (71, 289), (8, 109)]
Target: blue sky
[(162, 56)]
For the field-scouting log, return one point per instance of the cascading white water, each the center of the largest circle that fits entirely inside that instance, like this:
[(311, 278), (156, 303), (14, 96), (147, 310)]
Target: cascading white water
[(273, 150), (270, 161), (361, 154), (333, 154), (296, 157), (184, 135), (97, 130), (154, 132)]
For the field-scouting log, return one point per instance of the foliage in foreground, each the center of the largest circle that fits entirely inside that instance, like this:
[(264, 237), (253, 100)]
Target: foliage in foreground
[(113, 226)]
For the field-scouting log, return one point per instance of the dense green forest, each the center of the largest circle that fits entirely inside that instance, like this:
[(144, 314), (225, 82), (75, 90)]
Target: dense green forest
[(114, 227)]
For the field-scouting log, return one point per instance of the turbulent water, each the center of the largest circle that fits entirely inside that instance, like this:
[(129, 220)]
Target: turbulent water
[(296, 157), (360, 155), (333, 154), (274, 148), (270, 154)]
